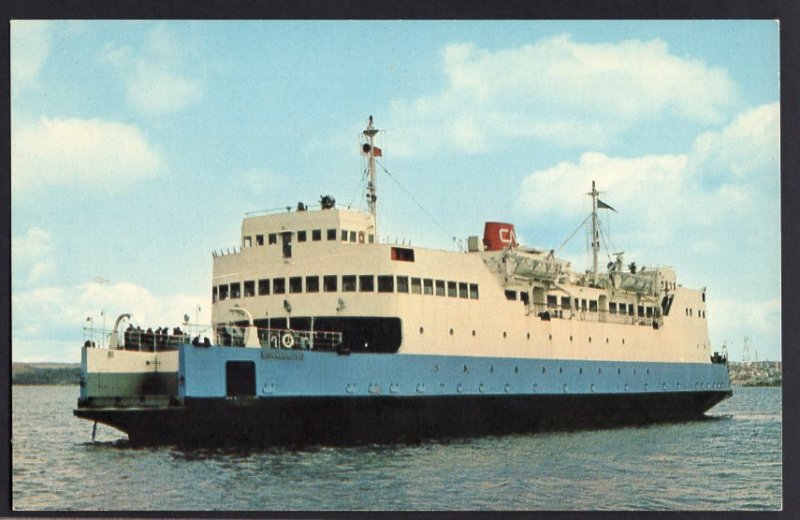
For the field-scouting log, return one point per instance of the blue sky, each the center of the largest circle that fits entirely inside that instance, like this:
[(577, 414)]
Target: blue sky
[(137, 147)]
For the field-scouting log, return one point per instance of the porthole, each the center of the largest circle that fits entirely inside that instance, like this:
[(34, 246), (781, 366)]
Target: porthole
[(580, 370), (516, 370), (623, 341), (435, 368), (634, 371), (599, 370), (550, 337), (451, 332), (619, 371), (648, 371), (606, 340), (560, 370), (590, 339), (421, 330), (491, 369), (543, 370), (504, 334), (529, 335), (570, 338), (473, 332)]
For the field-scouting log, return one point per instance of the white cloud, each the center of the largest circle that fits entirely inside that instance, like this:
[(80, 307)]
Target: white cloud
[(560, 91), (30, 47), (749, 143), (671, 191), (64, 151), (51, 314), (31, 253), (155, 80)]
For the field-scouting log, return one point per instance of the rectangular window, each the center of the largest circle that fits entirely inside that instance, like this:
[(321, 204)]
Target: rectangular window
[(371, 238), (366, 283), (640, 311), (301, 236), (524, 297), (331, 234), (402, 254), (249, 288), (612, 307), (279, 286), (439, 287), (247, 242), (592, 305), (236, 290), (223, 292), (344, 235), (565, 302), (352, 236), (214, 294), (312, 283), (329, 283), (511, 295), (583, 304), (272, 238), (416, 286), (649, 312), (473, 291), (623, 309), (552, 301), (296, 284), (402, 284), (259, 240), (427, 286), (316, 235), (451, 289), (630, 309), (386, 283), (349, 283), (263, 287), (462, 290)]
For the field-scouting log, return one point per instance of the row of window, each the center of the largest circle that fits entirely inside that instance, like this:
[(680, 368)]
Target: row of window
[(316, 236), (349, 283), (700, 313)]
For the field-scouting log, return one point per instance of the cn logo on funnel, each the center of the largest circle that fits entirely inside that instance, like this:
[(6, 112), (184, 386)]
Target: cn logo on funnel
[(499, 235)]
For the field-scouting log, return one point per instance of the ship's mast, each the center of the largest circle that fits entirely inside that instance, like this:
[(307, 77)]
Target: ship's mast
[(372, 198), (595, 233)]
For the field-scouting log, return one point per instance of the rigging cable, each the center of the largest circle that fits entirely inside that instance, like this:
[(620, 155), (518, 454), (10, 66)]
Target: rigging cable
[(573, 233), (449, 236)]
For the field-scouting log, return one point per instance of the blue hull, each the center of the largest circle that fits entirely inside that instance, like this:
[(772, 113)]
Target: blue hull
[(290, 397)]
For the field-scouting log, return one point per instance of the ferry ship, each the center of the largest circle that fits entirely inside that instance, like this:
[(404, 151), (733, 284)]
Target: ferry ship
[(323, 334)]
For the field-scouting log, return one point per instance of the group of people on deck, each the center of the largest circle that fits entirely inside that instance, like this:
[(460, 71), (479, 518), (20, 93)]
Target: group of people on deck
[(149, 340)]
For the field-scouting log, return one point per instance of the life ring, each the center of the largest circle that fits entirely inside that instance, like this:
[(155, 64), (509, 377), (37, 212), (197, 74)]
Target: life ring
[(287, 340)]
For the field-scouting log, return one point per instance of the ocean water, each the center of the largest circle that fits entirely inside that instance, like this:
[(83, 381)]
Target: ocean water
[(730, 461)]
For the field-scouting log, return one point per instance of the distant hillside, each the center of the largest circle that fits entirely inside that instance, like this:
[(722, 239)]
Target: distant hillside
[(45, 373)]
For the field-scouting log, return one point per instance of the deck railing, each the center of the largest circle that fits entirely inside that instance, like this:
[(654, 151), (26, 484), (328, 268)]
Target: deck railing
[(231, 335), (602, 316)]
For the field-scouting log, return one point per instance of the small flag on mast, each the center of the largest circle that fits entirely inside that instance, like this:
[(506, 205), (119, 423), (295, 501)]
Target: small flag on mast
[(603, 205), (376, 152)]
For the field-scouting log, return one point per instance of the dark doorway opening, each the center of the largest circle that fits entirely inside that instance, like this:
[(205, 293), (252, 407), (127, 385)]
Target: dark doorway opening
[(240, 379)]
